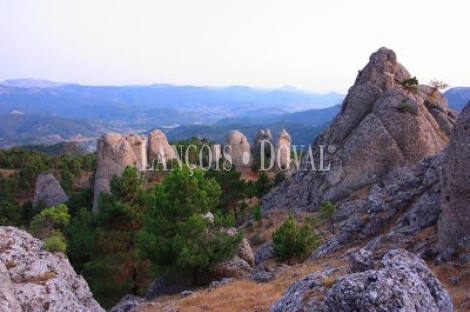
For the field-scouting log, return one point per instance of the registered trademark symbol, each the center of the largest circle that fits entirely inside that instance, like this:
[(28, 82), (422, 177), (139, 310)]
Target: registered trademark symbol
[(331, 149)]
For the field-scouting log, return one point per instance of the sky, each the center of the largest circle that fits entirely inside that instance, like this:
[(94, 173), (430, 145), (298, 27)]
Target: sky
[(312, 45)]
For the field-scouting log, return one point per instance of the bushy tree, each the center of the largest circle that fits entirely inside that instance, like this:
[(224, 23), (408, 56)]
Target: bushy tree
[(263, 185), (291, 241), (176, 238), (48, 226), (114, 267)]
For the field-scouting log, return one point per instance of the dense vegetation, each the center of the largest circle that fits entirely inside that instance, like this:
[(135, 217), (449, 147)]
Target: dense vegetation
[(143, 229)]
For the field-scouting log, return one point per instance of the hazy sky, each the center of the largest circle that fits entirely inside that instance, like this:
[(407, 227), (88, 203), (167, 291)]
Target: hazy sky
[(315, 45)]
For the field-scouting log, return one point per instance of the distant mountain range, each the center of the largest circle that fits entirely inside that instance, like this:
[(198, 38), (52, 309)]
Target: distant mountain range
[(458, 97), (46, 112)]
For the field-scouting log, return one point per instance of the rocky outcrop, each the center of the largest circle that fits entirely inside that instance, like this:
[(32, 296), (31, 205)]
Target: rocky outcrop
[(391, 212), (382, 125), (33, 279), (48, 191), (159, 149), (282, 151), (113, 154), (239, 150), (454, 223), (240, 265), (402, 282)]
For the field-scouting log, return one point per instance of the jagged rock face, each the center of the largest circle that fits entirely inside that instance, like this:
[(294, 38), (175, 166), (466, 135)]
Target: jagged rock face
[(402, 282), (239, 150), (113, 154), (454, 223), (48, 191), (283, 151), (159, 148), (381, 126), (391, 212), (33, 279)]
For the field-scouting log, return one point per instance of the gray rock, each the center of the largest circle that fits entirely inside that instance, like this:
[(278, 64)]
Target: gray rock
[(454, 223), (403, 282), (361, 261), (186, 293), (216, 284), (265, 252), (129, 303), (33, 279), (48, 191), (262, 275), (381, 126), (235, 267)]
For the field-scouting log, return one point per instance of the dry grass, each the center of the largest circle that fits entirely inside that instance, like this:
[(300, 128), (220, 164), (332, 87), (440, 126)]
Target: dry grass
[(460, 291), (240, 295)]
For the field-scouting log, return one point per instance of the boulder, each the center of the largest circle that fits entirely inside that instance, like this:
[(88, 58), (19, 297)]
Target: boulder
[(239, 150), (113, 154), (158, 148), (33, 279), (454, 222), (361, 261), (48, 191), (129, 303), (382, 125), (403, 282)]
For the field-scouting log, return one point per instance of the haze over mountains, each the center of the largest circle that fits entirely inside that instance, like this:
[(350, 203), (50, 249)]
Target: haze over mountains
[(45, 112)]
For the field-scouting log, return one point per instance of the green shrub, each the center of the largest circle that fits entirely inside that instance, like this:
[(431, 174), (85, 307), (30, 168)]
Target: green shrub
[(410, 84), (257, 215), (55, 242), (292, 241), (405, 107)]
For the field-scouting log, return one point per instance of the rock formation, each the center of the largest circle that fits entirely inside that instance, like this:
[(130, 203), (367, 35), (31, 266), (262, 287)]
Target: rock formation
[(239, 150), (402, 282), (454, 223), (391, 212), (159, 148), (33, 279), (283, 151), (48, 191), (383, 124), (113, 154)]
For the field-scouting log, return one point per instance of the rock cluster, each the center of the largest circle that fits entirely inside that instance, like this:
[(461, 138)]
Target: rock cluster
[(48, 191), (383, 124), (402, 282), (33, 279), (115, 152)]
